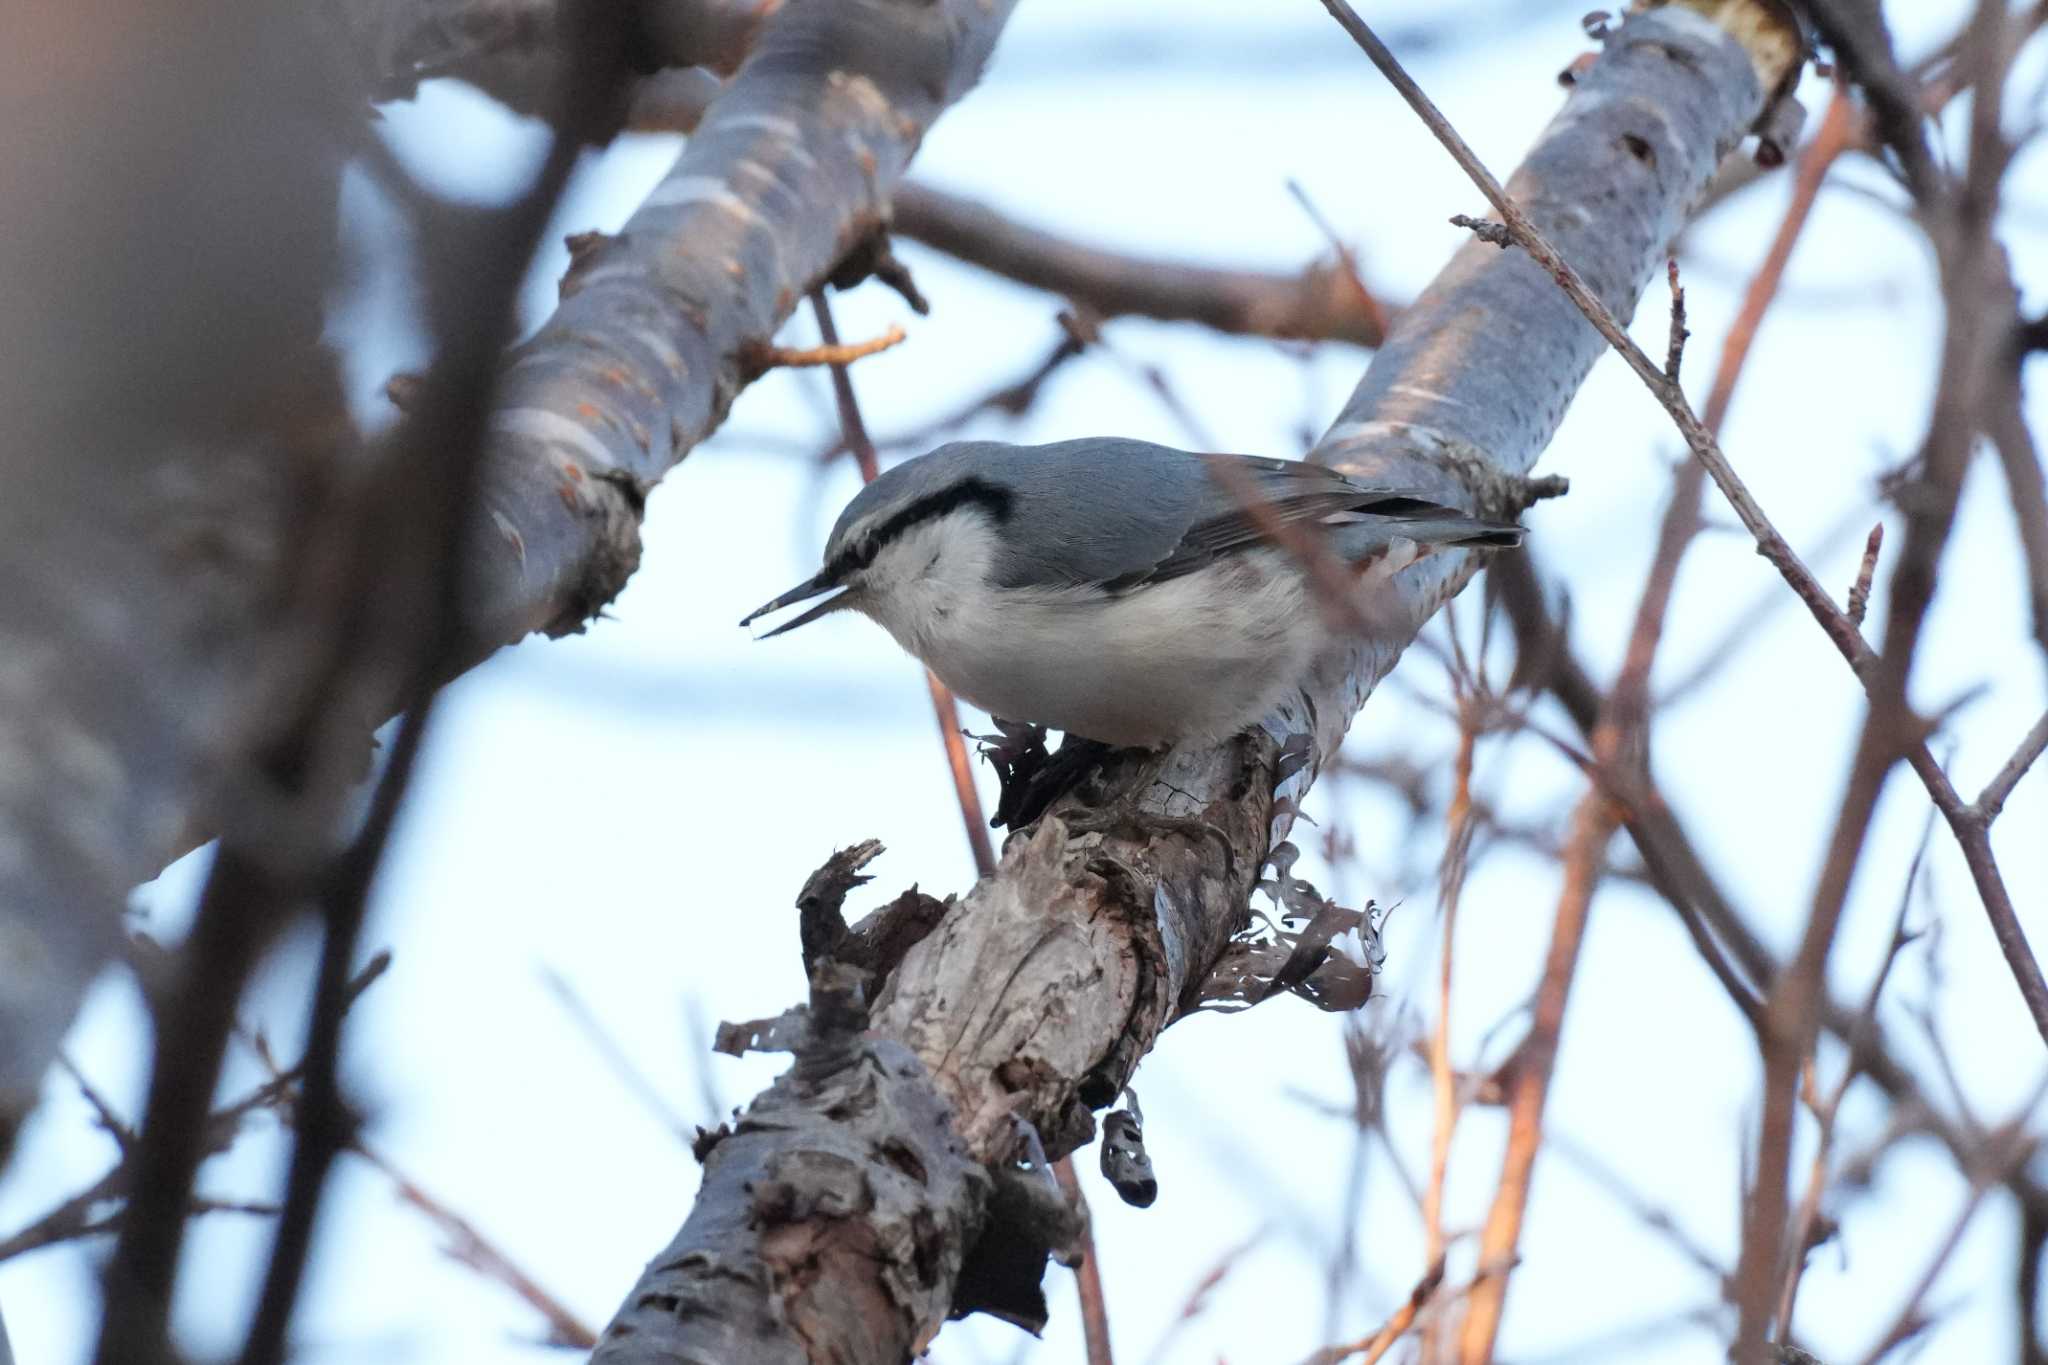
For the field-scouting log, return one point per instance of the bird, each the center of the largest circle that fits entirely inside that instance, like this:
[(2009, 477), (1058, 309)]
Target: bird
[(1123, 592)]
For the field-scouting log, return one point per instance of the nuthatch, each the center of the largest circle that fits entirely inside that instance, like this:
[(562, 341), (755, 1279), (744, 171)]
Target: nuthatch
[(1117, 590)]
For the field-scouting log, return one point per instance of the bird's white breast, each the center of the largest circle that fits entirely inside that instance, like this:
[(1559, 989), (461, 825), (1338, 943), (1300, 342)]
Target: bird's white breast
[(1200, 656)]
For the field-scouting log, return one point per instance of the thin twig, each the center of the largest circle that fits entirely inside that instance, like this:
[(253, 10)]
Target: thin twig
[(614, 1055), (2007, 1147), (833, 353), (1655, 1216), (1866, 572), (853, 429), (103, 1109), (1620, 747), (1799, 996), (470, 1247), (1991, 800), (1088, 1274), (1674, 349), (1529, 1070), (1368, 302), (1806, 1221), (474, 323), (1443, 1081), (1371, 1349)]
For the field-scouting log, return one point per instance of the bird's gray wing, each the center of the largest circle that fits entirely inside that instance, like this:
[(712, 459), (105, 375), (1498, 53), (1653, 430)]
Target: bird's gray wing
[(1119, 514), (1237, 512)]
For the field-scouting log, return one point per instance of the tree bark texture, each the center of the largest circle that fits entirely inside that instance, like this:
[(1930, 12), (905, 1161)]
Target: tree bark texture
[(789, 172), (1036, 994)]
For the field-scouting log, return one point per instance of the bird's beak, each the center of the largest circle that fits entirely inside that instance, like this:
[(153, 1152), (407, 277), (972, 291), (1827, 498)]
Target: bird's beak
[(802, 592)]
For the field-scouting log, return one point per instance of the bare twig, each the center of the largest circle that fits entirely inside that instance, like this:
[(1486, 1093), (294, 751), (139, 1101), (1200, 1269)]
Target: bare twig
[(1371, 1349), (1674, 349), (2019, 457), (1859, 591), (1806, 1221), (1991, 800), (1655, 1216), (474, 323), (1443, 1081), (1375, 311), (2006, 1148), (1529, 1071), (103, 1110), (1797, 993), (853, 430), (833, 353), (1088, 1274), (608, 1048), (470, 1247)]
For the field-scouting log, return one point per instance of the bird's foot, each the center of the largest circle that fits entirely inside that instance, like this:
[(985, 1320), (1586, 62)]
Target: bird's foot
[(1030, 777)]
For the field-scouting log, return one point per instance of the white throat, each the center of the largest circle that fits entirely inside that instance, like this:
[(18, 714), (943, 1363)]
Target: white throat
[(931, 583)]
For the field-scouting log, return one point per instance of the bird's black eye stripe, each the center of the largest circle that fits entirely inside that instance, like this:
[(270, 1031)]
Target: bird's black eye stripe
[(969, 492)]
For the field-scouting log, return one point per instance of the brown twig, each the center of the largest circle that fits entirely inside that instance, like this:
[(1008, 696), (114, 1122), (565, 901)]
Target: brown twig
[(1806, 1221), (1655, 1216), (853, 429), (1371, 1349), (1529, 1070), (1087, 1274), (471, 1248), (1797, 990), (1443, 1082), (833, 353), (1375, 312), (1859, 591), (1991, 800), (1197, 1298), (1674, 348), (474, 322), (2019, 457), (1958, 218), (1620, 747), (2006, 1148)]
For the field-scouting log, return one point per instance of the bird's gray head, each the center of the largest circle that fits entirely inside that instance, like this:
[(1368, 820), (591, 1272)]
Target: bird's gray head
[(886, 518)]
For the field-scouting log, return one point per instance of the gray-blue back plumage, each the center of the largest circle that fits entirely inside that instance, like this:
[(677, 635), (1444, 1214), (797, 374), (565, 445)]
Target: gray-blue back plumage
[(1117, 512)]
